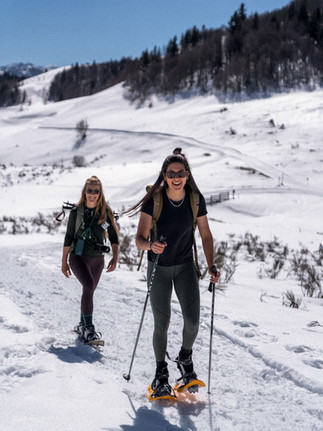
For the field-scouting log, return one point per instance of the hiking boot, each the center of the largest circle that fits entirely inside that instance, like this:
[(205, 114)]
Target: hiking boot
[(79, 329), (160, 386), (161, 376), (185, 366), (89, 334)]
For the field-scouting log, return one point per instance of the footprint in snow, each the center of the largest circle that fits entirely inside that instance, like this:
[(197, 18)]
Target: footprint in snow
[(245, 324), (315, 363), (310, 361), (249, 331), (299, 349), (19, 329)]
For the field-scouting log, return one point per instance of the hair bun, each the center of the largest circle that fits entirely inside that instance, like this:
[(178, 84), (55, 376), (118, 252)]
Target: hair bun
[(178, 151)]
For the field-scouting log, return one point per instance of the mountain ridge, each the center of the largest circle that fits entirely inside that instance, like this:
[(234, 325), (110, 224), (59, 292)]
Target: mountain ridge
[(25, 70)]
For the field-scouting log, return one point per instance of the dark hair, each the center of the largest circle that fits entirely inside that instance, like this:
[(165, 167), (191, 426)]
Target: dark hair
[(160, 183)]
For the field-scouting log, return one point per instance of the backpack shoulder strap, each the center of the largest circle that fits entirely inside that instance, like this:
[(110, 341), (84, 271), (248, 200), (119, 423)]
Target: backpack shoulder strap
[(158, 206), (79, 217), (195, 202)]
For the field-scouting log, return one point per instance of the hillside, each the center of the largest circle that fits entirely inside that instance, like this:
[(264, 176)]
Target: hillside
[(251, 55), (266, 356)]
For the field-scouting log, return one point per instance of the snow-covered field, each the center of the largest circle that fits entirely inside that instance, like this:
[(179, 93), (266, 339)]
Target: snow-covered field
[(267, 368)]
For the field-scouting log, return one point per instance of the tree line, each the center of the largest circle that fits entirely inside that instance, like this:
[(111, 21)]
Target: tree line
[(260, 53), (256, 54), (9, 90)]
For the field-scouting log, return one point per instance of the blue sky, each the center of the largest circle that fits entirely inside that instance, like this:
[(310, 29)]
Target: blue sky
[(63, 32)]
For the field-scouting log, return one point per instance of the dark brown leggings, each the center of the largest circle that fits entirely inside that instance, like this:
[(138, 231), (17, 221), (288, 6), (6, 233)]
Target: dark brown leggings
[(88, 271)]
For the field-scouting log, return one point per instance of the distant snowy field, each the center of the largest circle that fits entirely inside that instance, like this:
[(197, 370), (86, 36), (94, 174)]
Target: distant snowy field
[(267, 370)]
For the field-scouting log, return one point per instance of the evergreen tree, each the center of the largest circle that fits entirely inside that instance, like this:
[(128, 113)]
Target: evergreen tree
[(255, 22), (303, 14), (172, 47), (262, 53)]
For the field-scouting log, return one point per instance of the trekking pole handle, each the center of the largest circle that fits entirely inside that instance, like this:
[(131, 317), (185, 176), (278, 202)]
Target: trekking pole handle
[(162, 238), (211, 285), (152, 276)]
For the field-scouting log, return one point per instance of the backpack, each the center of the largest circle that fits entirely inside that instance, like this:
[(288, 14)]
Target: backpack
[(79, 215), (157, 209)]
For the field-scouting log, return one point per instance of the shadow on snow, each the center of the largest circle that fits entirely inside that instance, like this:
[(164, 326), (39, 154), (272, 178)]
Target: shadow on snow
[(76, 354)]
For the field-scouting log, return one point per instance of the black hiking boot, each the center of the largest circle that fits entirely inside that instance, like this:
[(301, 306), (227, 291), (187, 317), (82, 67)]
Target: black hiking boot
[(185, 366), (89, 334), (161, 376), (79, 329), (160, 385)]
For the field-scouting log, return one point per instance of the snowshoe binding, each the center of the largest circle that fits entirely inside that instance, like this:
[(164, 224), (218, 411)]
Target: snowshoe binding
[(90, 337), (79, 329), (160, 389), (188, 380)]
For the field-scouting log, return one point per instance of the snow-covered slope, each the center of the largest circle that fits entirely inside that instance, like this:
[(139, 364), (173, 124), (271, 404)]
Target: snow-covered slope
[(267, 362)]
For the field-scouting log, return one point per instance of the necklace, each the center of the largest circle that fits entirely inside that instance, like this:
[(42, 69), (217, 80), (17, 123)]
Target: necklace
[(172, 203)]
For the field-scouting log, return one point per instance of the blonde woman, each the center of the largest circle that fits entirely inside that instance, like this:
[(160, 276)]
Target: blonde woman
[(88, 225)]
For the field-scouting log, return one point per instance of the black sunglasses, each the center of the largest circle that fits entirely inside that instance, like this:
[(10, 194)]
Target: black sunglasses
[(179, 174), (92, 192)]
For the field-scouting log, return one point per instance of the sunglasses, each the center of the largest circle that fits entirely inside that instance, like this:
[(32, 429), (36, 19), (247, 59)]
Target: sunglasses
[(92, 191), (179, 174)]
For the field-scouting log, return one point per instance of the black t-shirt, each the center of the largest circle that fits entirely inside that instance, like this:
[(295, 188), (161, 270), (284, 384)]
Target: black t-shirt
[(176, 225)]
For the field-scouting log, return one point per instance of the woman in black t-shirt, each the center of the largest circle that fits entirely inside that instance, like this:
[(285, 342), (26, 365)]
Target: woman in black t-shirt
[(175, 265)]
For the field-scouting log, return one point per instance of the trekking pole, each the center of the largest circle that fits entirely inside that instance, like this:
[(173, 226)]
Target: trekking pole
[(211, 289), (127, 376)]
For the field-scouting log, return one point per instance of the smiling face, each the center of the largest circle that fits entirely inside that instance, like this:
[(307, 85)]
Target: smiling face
[(176, 177), (92, 194)]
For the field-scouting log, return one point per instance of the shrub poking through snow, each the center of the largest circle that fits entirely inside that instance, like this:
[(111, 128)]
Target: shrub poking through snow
[(290, 300)]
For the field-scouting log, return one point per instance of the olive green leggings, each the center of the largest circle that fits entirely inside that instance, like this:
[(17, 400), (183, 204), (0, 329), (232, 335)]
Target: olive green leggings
[(186, 287)]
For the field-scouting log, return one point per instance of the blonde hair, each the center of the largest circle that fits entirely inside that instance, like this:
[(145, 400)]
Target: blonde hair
[(102, 209)]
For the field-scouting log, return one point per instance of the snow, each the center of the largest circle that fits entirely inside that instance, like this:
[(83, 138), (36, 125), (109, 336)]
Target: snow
[(267, 360)]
